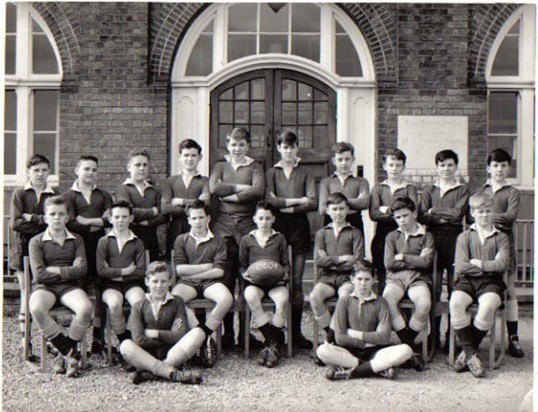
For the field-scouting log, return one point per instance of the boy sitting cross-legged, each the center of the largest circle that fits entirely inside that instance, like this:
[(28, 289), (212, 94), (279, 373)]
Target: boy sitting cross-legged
[(121, 264), (482, 256), (199, 258), (58, 261), (409, 259), (266, 243), (164, 332), (337, 247), (361, 324)]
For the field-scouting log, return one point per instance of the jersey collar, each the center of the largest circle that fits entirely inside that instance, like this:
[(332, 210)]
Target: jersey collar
[(112, 233), (204, 239), (489, 183), (130, 182), (492, 233), (372, 296), (248, 162), (279, 163), (77, 189), (47, 189), (421, 231), (255, 231), (47, 236), (401, 185)]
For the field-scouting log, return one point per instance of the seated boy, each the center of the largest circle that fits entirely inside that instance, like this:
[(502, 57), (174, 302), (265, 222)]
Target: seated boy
[(199, 259), (408, 259), (164, 332), (146, 201), (121, 263), (58, 262), (356, 189), (27, 219), (337, 247), (361, 323), (266, 243), (482, 256)]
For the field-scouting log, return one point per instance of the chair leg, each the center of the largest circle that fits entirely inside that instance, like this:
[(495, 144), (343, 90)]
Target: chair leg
[(495, 361), (108, 338), (290, 332), (452, 345), (315, 334), (27, 336), (247, 332), (84, 352), (43, 345), (218, 334)]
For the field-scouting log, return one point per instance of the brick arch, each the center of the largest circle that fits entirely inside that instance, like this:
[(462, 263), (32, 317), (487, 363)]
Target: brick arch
[(170, 21), (486, 22), (62, 20)]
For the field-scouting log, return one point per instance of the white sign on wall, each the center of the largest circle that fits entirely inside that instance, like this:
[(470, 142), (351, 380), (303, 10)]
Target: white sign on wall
[(421, 137)]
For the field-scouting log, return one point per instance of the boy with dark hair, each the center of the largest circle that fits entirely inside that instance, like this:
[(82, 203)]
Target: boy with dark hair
[(442, 208), (121, 263), (146, 201), (165, 333), (27, 219), (506, 200), (380, 200), (338, 246), (58, 262), (409, 259), (482, 256), (199, 259), (88, 216), (292, 191), (181, 190), (266, 243), (238, 182), (356, 189), (361, 324)]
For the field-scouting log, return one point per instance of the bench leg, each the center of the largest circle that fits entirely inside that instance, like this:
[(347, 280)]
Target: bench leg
[(290, 333), (247, 333)]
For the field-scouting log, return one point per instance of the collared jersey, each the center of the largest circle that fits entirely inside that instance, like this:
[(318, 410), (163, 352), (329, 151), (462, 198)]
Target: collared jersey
[(450, 206), (24, 200), (174, 186), (356, 189), (45, 252), (383, 196), (111, 260), (493, 251), (142, 203), (299, 184), (190, 251), (371, 317), (251, 251), (505, 206), (417, 250), (349, 241)]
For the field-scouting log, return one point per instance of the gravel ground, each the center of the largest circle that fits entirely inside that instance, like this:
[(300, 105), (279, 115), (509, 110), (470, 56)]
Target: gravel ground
[(239, 385)]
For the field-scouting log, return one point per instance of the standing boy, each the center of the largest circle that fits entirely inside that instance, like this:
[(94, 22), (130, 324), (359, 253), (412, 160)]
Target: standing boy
[(164, 332), (482, 256), (199, 260), (356, 189), (409, 259), (239, 183), (338, 246), (27, 219), (146, 201), (442, 208), (266, 243), (380, 200), (121, 263), (88, 210), (361, 323), (292, 191), (58, 262), (505, 209), (181, 190)]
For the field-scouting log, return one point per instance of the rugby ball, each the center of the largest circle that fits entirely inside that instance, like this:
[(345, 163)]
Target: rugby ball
[(266, 272)]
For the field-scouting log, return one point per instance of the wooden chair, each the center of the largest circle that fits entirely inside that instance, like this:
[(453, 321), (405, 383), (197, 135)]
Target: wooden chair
[(108, 329), (55, 312), (267, 303), (494, 359)]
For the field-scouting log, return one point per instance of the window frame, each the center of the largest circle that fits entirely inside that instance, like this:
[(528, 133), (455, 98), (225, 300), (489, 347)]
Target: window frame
[(24, 82), (524, 85)]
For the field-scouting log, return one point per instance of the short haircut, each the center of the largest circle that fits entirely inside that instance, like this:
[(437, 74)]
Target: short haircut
[(198, 204), (402, 202), (396, 153), (342, 147), (238, 133), (37, 159), (335, 198), (157, 266), (445, 155), (479, 200), (54, 201), (88, 157), (138, 152), (363, 266), (189, 144), (123, 204), (263, 205), (287, 137), (499, 155)]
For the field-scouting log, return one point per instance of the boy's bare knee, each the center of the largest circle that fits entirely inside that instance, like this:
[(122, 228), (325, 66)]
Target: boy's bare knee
[(126, 348)]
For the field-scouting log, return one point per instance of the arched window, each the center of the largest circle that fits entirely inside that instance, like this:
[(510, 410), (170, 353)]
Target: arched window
[(305, 30), (510, 78), (32, 80)]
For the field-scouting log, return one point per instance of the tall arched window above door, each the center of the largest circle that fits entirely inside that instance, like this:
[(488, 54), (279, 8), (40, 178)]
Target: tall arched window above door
[(317, 33), (33, 74), (511, 81)]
